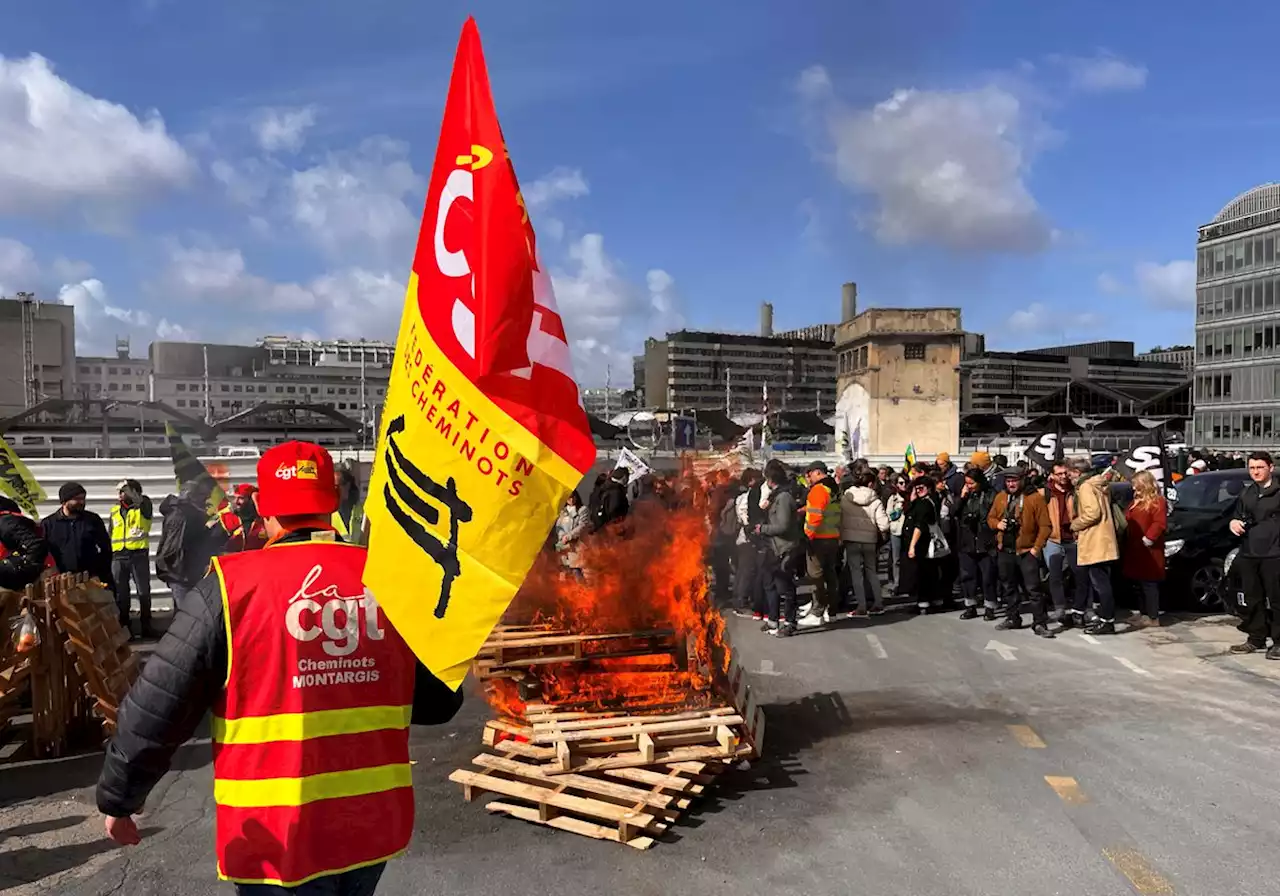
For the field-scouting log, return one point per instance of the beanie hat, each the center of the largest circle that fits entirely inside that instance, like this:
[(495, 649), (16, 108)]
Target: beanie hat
[(70, 491), (980, 459), (245, 489), (296, 479)]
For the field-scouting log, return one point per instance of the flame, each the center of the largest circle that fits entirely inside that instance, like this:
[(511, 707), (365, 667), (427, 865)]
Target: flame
[(647, 574)]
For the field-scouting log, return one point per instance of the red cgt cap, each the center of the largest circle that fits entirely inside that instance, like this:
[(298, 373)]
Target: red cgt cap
[(296, 479), (245, 489)]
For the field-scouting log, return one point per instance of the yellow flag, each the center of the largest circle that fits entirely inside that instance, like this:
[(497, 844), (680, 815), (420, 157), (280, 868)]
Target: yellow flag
[(188, 468), (482, 433), (17, 482)]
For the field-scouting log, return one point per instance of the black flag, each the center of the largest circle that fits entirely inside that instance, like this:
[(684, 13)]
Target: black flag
[(1149, 456), (1046, 450)]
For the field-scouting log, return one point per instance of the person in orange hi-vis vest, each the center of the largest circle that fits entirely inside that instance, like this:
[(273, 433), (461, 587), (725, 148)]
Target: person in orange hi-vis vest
[(312, 692)]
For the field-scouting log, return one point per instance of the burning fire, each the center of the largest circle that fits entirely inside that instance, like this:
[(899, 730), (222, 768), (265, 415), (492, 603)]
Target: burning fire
[(648, 575)]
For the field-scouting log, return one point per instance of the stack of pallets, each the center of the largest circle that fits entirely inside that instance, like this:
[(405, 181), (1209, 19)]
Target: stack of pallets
[(612, 775)]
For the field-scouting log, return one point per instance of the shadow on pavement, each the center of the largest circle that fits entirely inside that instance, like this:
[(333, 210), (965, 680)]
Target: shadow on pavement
[(29, 864), (41, 827)]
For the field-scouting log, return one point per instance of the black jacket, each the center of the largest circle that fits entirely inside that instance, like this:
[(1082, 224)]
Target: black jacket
[(178, 686), (613, 504), (973, 535), (79, 543), (1260, 511), (188, 540), (25, 549)]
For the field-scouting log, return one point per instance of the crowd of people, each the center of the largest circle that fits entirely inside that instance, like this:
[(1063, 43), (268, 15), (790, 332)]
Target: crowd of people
[(117, 550), (997, 541)]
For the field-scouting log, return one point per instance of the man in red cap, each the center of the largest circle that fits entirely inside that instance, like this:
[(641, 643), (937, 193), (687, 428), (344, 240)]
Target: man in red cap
[(245, 528), (312, 692)]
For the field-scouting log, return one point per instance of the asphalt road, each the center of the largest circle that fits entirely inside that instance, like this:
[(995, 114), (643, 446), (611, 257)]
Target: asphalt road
[(906, 756)]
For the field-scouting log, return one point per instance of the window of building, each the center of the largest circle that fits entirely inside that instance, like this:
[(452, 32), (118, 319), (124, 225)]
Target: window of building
[(83, 368), (226, 403), (226, 388), (181, 387), (182, 402), (262, 390), (315, 389), (913, 351), (113, 387), (113, 371), (95, 388), (290, 389), (238, 388)]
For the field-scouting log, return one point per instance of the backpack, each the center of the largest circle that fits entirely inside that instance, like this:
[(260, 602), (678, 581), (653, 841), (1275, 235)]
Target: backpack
[(171, 553), (729, 525), (1120, 520)]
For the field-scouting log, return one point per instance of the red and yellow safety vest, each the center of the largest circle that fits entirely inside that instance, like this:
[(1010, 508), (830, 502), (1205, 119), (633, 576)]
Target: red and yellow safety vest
[(311, 741)]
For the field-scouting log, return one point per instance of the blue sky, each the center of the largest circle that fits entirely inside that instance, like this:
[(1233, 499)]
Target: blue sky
[(227, 170)]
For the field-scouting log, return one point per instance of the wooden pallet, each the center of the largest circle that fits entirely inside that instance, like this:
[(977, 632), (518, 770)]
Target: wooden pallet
[(86, 614), (512, 653), (630, 805)]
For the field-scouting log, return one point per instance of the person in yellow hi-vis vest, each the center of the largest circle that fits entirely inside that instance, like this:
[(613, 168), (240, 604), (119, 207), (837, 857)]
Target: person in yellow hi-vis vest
[(131, 552)]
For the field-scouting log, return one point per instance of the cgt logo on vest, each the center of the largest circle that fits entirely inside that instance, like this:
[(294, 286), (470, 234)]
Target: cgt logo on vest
[(325, 612)]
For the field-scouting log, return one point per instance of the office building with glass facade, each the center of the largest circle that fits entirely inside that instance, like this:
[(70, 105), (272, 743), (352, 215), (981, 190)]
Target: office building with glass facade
[(1237, 360)]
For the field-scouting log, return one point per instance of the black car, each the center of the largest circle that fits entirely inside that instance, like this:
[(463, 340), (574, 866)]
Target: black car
[(1199, 538)]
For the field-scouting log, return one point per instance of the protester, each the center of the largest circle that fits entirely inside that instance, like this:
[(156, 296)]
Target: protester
[(822, 532), (130, 526), (349, 517), (1142, 562), (782, 551), (1256, 522), (1097, 548), (189, 539), (895, 506), (77, 538), (919, 571), (976, 546), (24, 552), (1060, 551), (613, 504), (574, 522), (1020, 519), (750, 514), (247, 532), (269, 832), (864, 524)]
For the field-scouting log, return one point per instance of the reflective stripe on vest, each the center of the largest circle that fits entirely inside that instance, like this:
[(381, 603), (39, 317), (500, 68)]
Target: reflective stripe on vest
[(311, 742), (130, 530), (824, 522)]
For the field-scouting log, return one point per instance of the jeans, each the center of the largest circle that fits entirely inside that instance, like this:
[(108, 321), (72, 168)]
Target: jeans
[(978, 572), (779, 588), (1022, 569), (360, 882), (748, 589), (135, 565), (1150, 599), (864, 573), (1060, 558), (1260, 582), (721, 554), (823, 567), (895, 559), (1099, 586)]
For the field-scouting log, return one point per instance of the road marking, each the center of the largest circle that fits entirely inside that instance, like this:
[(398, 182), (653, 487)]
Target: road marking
[(1090, 638), (1006, 652), (1134, 865), (1132, 666), (1067, 789), (877, 648), (766, 668), (1026, 736)]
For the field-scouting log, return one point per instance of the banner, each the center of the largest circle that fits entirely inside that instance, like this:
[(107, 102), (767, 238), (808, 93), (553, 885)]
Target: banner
[(483, 434), (632, 462), (188, 468), (1045, 451), (1151, 457), (17, 482), (909, 456)]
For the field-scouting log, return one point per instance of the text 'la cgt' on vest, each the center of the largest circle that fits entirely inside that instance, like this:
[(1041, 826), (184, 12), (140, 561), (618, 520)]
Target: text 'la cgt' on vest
[(311, 741)]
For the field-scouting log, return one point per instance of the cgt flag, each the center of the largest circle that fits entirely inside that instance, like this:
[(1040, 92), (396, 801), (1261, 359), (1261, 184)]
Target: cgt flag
[(188, 468), (17, 482), (483, 432)]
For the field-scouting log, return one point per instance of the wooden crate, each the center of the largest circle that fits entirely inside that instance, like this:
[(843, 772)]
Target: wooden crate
[(631, 806), (88, 619), (513, 652)]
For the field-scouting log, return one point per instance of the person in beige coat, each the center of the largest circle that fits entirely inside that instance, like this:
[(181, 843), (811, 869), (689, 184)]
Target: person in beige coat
[(1097, 547), (863, 524)]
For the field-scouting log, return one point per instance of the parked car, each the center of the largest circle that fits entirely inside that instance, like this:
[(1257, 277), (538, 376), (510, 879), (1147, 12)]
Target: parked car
[(1199, 540)]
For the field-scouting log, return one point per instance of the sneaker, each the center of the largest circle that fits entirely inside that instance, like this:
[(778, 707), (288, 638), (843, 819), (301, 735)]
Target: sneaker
[(969, 613), (989, 614), (809, 622), (1101, 627), (856, 614), (877, 611), (1009, 623), (746, 614), (1070, 619), (1042, 630), (785, 631), (1248, 647), (1274, 652), (803, 609), (769, 626)]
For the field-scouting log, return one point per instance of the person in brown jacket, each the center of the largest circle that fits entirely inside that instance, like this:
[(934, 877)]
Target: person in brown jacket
[(1097, 547), (1020, 519)]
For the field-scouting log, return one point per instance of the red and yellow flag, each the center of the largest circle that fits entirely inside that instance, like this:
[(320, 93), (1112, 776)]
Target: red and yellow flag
[(483, 433)]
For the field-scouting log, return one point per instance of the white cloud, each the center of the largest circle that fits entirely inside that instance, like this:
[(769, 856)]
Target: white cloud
[(606, 316), (1109, 285), (560, 183), (99, 322), (282, 129), (1039, 319), (61, 147), (354, 202), (1171, 285), (946, 167), (18, 268), (1103, 72)]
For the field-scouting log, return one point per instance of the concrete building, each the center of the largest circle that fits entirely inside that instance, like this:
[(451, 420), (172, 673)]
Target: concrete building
[(1182, 355), (899, 380), (1237, 351), (605, 402), (1103, 378), (730, 371), (37, 348)]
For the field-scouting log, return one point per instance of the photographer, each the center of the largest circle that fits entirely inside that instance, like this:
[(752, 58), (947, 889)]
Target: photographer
[(1020, 519)]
